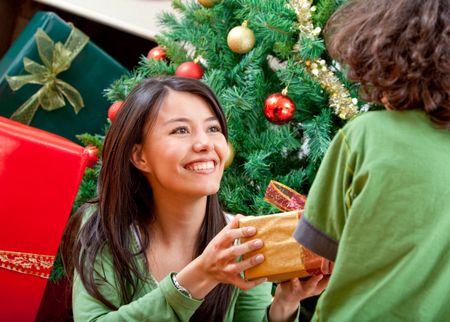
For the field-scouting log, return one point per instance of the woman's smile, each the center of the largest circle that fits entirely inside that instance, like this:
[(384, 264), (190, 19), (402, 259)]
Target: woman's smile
[(201, 166)]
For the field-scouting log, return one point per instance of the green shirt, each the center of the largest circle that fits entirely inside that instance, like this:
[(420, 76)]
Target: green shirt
[(380, 206), (158, 302)]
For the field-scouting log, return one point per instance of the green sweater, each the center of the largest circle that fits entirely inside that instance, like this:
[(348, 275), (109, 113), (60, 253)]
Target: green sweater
[(157, 302), (163, 302), (380, 205)]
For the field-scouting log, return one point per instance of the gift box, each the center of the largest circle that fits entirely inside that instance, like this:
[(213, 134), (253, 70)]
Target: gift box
[(39, 178), (284, 257), (53, 78)]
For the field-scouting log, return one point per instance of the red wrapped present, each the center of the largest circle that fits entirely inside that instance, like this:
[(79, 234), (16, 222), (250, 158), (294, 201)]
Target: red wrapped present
[(40, 174)]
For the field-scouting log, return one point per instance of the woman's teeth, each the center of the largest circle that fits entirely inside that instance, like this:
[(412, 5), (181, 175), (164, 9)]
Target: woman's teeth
[(201, 166)]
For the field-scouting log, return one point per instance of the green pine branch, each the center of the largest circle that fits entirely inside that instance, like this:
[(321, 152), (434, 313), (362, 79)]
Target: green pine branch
[(324, 9)]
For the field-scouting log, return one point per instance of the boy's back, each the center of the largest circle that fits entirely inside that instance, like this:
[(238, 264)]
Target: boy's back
[(395, 203)]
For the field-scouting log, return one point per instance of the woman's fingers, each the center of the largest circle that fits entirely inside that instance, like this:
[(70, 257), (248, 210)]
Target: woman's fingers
[(221, 255), (239, 282), (295, 282), (296, 289), (313, 281), (241, 249), (238, 267), (326, 266), (234, 223), (232, 232), (315, 285), (322, 284)]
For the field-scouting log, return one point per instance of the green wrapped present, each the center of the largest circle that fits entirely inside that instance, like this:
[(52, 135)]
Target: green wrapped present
[(53, 78)]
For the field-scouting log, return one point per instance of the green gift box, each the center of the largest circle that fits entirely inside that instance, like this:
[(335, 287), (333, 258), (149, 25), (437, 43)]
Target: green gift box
[(53, 78)]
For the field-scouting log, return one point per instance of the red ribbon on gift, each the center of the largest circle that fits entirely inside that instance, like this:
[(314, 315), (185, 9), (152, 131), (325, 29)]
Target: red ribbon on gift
[(283, 197), (287, 199), (27, 263)]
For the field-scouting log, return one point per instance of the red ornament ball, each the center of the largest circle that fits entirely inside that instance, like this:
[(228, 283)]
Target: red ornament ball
[(279, 108), (189, 69), (92, 152), (157, 53), (113, 109)]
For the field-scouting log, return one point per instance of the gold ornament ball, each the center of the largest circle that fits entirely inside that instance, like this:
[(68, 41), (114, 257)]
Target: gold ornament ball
[(230, 156), (241, 39), (208, 3)]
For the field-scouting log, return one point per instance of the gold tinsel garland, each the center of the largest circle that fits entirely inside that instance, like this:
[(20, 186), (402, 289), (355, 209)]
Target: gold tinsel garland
[(340, 100)]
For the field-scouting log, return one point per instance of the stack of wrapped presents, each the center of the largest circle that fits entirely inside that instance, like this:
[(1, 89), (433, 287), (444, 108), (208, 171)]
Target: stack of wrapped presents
[(52, 82)]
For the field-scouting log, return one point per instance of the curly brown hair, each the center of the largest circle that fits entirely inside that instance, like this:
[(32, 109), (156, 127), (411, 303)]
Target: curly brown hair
[(398, 51)]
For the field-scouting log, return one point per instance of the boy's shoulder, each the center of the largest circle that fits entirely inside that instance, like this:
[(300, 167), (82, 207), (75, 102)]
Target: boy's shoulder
[(385, 121), (369, 118), (365, 125)]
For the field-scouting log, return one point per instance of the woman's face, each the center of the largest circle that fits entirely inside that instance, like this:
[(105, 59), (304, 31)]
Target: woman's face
[(185, 150)]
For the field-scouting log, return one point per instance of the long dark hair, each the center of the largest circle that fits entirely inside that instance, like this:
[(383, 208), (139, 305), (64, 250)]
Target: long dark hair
[(399, 51), (125, 199)]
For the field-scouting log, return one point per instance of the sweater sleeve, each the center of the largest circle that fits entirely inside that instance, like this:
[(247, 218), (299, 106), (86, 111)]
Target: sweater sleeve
[(163, 303), (329, 199)]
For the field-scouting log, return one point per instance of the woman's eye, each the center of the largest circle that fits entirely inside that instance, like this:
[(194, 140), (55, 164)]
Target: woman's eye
[(215, 128), (180, 130)]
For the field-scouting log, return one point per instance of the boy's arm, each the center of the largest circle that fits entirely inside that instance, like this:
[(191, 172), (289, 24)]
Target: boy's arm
[(328, 201)]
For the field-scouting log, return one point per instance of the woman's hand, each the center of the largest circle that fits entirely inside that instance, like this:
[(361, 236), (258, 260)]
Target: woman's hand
[(289, 294), (220, 256), (326, 266), (218, 262)]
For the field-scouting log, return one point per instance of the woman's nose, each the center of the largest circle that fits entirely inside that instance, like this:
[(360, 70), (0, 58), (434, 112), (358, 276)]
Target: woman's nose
[(202, 143)]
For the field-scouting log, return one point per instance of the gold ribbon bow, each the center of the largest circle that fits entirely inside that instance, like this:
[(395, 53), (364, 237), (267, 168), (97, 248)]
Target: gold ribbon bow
[(56, 58), (26, 263)]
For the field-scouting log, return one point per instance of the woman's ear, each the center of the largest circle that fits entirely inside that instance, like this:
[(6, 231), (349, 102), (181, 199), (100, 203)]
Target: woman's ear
[(138, 158)]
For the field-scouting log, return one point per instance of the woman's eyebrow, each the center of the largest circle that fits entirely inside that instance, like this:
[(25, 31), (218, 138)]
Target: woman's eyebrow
[(186, 120), (212, 118), (180, 119)]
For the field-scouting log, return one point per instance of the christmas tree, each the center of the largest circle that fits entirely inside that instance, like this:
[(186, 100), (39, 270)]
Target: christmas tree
[(283, 97)]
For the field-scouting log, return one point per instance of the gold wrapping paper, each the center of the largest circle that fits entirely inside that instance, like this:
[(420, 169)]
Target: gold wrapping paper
[(284, 257)]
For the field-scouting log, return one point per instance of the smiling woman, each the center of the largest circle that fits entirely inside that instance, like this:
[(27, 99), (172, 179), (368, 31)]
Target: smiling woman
[(157, 213), (184, 151)]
